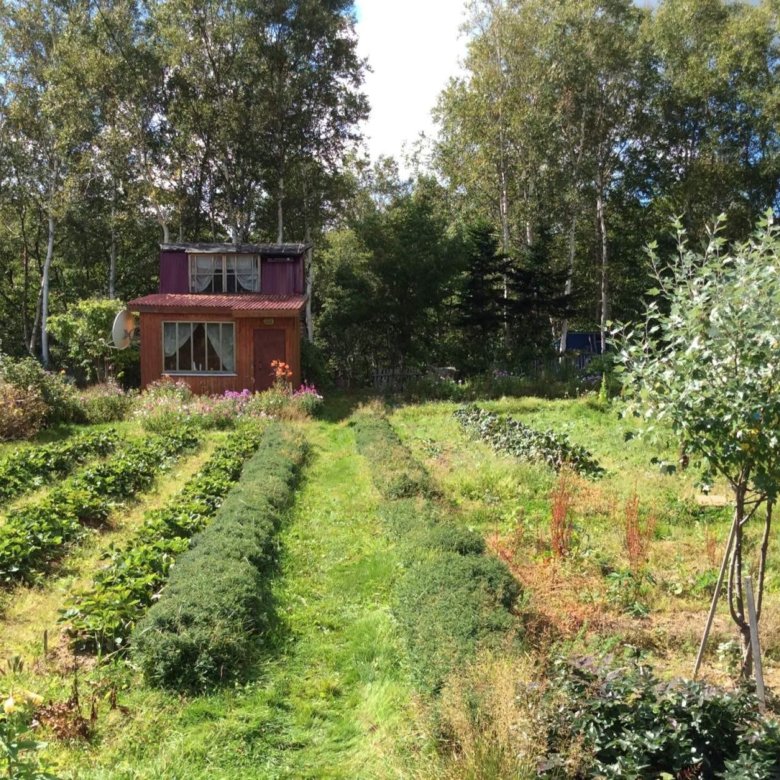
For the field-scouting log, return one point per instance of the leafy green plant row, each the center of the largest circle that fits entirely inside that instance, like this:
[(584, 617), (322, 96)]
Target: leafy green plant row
[(34, 535), (506, 434), (31, 467), (627, 723), (395, 472), (451, 599), (102, 617), (203, 629)]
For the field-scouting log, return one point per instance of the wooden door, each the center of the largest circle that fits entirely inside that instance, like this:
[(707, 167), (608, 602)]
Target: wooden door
[(269, 346)]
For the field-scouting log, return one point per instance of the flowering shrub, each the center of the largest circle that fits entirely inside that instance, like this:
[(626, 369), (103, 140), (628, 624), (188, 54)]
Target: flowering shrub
[(104, 403), (169, 388), (165, 407), (270, 403), (308, 399), (59, 394), (282, 373), (22, 412)]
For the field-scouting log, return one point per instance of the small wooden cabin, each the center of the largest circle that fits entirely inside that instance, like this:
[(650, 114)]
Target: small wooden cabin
[(223, 313)]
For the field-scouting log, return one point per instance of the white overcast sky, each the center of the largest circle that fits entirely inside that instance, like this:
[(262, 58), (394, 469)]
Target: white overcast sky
[(413, 47)]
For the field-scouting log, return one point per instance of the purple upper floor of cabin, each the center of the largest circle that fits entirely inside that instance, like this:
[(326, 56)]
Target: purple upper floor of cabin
[(271, 269)]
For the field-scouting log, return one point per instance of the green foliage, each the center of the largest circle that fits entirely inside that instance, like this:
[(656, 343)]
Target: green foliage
[(202, 630), (32, 536), (633, 725), (58, 394), (449, 605), (19, 750), (511, 436), (705, 361), (395, 472), (29, 468), (451, 599), (384, 283), (102, 617), (105, 403), (83, 334)]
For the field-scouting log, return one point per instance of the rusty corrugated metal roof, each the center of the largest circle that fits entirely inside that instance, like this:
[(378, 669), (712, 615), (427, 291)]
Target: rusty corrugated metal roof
[(218, 302), (281, 250)]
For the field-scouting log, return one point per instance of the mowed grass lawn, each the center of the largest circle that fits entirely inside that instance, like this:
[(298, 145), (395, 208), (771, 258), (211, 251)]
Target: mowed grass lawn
[(330, 692)]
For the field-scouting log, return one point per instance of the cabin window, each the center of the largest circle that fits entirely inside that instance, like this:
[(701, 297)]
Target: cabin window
[(224, 273), (199, 347)]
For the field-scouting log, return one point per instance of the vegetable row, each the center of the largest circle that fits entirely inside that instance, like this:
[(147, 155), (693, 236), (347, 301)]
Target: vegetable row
[(450, 599), (217, 604), (36, 534), (31, 467), (506, 434), (102, 617)]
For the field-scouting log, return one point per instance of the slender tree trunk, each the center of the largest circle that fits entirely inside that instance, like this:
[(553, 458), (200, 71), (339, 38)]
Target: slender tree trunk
[(601, 215), (736, 596), (280, 212), (166, 232), (112, 256), (308, 264), (762, 558), (25, 289), (569, 280), (36, 321), (45, 357)]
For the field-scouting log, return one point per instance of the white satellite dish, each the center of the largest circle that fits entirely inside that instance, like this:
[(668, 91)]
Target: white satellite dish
[(123, 329)]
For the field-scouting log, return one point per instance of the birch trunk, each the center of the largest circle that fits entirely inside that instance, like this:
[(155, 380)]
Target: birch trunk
[(280, 213), (36, 322), (45, 357), (569, 281), (600, 212), (112, 257)]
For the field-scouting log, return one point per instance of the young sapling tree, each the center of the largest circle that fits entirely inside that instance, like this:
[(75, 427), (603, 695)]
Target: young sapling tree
[(705, 362)]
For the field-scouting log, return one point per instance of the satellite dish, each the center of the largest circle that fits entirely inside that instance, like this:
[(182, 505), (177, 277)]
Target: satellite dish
[(123, 329)]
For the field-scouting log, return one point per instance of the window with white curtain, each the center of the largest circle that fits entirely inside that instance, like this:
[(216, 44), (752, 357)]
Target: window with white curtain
[(224, 273), (199, 348)]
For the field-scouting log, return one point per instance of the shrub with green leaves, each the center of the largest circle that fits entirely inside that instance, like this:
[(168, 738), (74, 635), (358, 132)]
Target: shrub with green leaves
[(395, 472), (202, 630), (627, 723), (105, 403), (506, 434), (29, 468), (58, 394), (34, 535), (102, 617)]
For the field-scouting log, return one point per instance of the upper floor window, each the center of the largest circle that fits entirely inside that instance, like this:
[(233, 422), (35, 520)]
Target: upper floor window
[(224, 273)]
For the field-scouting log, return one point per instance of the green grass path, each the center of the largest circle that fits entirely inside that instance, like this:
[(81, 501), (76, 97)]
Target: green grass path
[(331, 697)]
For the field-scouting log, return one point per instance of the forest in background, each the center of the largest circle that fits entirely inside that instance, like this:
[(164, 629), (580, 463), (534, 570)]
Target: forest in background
[(577, 132)]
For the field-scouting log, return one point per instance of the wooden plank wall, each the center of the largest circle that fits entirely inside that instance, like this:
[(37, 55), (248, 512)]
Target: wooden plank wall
[(152, 357)]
